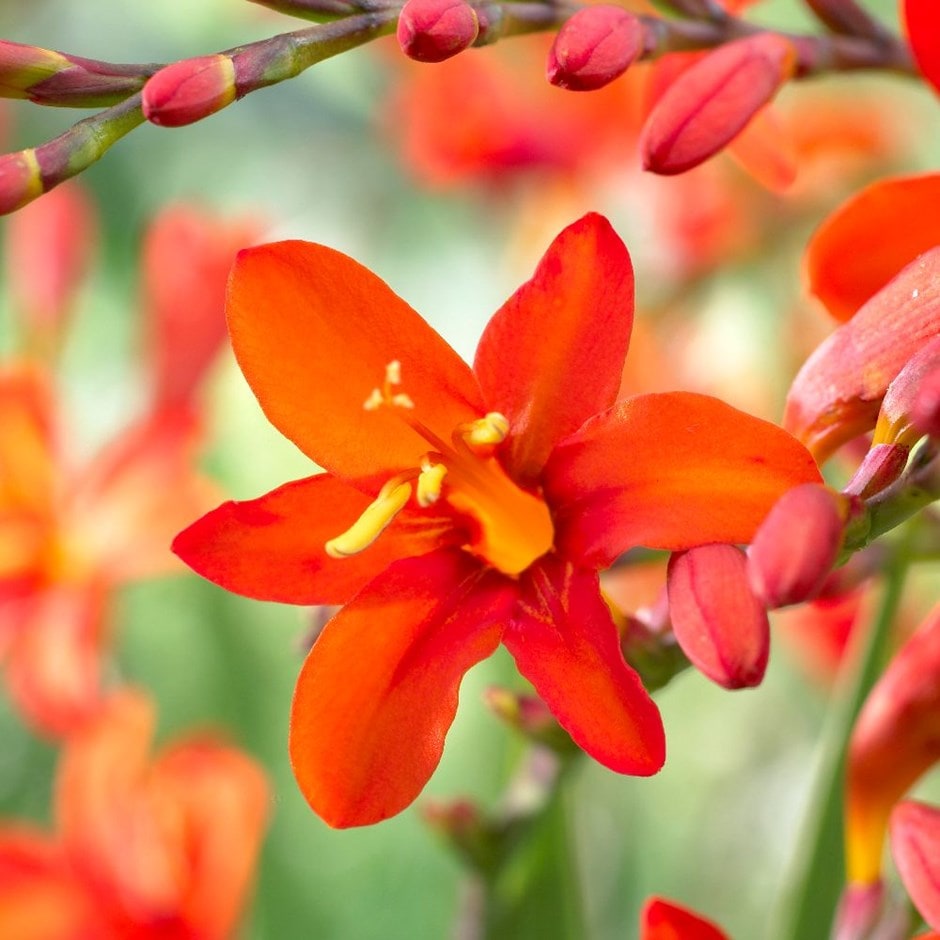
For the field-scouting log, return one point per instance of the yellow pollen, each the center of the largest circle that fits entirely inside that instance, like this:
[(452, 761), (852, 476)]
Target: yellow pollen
[(430, 482), (487, 431), (393, 373), (401, 400), (374, 520), (374, 401)]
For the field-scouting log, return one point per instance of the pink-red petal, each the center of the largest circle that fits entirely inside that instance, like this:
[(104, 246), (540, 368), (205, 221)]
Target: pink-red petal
[(273, 548), (565, 643), (378, 691), (665, 920), (553, 354), (669, 470), (915, 844), (313, 331)]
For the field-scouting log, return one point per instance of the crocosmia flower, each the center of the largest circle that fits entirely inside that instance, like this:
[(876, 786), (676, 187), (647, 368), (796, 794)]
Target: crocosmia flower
[(463, 507)]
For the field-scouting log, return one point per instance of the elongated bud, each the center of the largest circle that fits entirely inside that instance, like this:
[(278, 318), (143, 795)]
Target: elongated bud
[(881, 466), (925, 412), (915, 844), (896, 424), (895, 740), (711, 102), (796, 545), (719, 623), (595, 46), (859, 912), (435, 30), (189, 91), (664, 920), (49, 246), (838, 392), (54, 78)]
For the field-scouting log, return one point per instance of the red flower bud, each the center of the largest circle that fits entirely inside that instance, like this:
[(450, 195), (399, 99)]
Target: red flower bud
[(435, 30), (915, 844), (529, 715), (718, 622), (922, 20), (796, 545), (595, 46), (664, 920), (189, 91), (710, 103), (925, 412), (838, 392), (896, 423), (882, 465), (20, 180)]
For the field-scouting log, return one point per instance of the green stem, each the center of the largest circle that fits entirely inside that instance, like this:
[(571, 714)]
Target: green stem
[(817, 874)]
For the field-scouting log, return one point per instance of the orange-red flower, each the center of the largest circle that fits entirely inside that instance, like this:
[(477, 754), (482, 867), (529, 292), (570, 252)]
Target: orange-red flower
[(149, 850), (665, 920), (467, 507)]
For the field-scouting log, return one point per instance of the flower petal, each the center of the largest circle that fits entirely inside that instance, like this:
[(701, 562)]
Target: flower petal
[(922, 24), (837, 393), (915, 844), (861, 246), (664, 920), (273, 548), (669, 470), (565, 643), (378, 690), (553, 354), (313, 331)]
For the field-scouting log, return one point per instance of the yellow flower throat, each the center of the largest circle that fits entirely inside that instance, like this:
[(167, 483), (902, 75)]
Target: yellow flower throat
[(510, 527)]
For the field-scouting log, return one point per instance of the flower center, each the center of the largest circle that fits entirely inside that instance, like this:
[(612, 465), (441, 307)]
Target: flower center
[(509, 527)]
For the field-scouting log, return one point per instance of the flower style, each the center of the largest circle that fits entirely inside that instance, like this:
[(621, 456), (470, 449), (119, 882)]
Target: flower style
[(466, 507), (160, 849)]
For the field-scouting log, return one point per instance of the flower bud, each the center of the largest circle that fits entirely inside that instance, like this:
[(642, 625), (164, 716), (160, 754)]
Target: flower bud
[(595, 46), (719, 623), (529, 715), (796, 545), (20, 180), (895, 421), (920, 20), (882, 465), (838, 392), (435, 30), (915, 844), (189, 91), (663, 920), (925, 412), (895, 740), (22, 67), (711, 102)]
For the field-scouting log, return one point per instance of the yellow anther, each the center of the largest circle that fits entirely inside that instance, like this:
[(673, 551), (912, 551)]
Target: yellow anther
[(401, 400), (393, 373), (375, 400), (373, 521), (487, 431), (429, 483)]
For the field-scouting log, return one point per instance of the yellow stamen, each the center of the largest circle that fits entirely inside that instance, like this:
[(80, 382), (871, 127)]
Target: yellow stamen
[(393, 373), (401, 400), (486, 432), (375, 400), (430, 482), (374, 520)]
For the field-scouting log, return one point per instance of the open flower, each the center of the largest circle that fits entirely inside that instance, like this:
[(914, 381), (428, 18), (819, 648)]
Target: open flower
[(150, 849), (467, 507)]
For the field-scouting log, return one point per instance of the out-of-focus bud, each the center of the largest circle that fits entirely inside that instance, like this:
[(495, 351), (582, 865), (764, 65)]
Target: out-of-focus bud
[(664, 920), (593, 47), (922, 20), (895, 420), (464, 826), (435, 30), (915, 844), (719, 623), (187, 255), (869, 238), (797, 544), (189, 91), (881, 466), (48, 248), (20, 180), (838, 392), (925, 412), (652, 652), (529, 715), (859, 911), (896, 739), (711, 102)]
